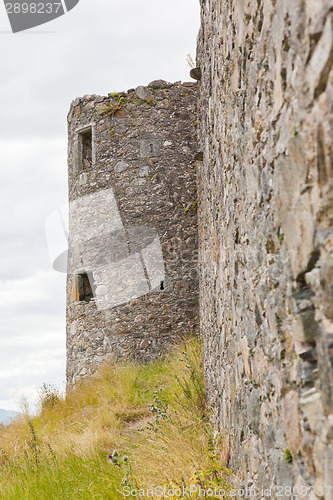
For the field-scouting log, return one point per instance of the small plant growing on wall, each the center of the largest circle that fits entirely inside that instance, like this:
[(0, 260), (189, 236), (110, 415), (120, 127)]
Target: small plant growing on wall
[(190, 61), (112, 107), (287, 456)]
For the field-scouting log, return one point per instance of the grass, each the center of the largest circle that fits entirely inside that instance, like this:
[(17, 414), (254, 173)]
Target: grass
[(127, 427)]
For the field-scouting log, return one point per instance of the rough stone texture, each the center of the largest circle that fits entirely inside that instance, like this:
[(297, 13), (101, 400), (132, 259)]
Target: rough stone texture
[(132, 194), (265, 237)]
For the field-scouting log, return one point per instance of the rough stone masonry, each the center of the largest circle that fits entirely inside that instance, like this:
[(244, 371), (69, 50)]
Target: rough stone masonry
[(266, 240), (265, 210), (132, 286)]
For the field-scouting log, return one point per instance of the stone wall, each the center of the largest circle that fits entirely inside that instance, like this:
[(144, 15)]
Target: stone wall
[(266, 239), (133, 230)]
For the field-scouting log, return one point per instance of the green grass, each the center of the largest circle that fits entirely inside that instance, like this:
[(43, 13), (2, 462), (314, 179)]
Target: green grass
[(151, 420)]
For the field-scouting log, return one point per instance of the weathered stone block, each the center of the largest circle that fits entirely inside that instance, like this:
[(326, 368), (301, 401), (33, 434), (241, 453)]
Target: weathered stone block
[(291, 417), (143, 93), (311, 406), (150, 147)]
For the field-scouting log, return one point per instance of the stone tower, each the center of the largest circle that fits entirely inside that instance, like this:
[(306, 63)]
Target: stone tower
[(132, 286)]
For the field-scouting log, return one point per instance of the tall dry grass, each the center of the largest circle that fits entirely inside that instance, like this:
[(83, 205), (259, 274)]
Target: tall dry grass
[(134, 426)]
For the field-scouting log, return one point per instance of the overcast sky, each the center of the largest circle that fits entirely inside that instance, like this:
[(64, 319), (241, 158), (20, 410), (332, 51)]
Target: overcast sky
[(100, 46)]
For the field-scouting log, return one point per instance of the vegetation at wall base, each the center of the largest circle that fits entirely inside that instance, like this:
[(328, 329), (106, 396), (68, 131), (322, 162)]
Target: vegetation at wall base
[(126, 430)]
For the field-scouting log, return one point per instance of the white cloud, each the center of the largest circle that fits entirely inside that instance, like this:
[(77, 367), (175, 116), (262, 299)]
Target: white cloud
[(32, 339), (33, 174), (98, 47)]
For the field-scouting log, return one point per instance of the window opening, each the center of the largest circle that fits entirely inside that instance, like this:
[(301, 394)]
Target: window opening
[(85, 285), (85, 141)]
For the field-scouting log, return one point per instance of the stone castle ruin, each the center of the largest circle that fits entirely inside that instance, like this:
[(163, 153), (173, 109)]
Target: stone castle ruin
[(255, 132), (132, 280)]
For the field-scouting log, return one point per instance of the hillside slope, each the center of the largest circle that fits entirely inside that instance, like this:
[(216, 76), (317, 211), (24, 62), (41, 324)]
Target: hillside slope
[(6, 416), (127, 428)]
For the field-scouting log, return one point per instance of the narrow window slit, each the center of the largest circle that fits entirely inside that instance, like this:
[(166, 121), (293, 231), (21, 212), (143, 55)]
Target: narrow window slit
[(85, 285), (85, 143)]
